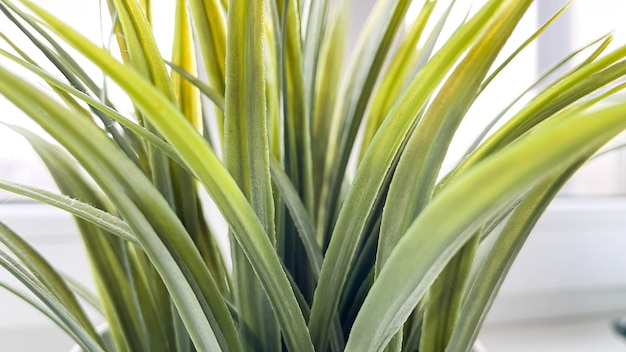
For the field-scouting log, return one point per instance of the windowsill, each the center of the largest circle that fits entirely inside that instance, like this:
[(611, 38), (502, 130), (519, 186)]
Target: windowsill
[(571, 263), (572, 334)]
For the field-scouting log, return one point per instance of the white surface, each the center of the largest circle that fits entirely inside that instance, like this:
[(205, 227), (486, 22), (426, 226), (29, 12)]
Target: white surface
[(571, 264), (34, 339), (573, 334)]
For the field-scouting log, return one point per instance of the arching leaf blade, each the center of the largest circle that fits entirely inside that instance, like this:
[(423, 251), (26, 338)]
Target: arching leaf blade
[(202, 161), (429, 244)]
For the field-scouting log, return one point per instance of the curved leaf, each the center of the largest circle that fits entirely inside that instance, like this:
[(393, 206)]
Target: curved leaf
[(192, 148), (137, 201), (100, 218), (74, 328), (486, 283), (376, 167), (474, 198)]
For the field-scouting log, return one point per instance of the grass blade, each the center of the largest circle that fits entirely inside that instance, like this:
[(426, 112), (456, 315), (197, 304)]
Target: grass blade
[(192, 148), (70, 69), (130, 194), (429, 244), (83, 337), (372, 50), (246, 155), (300, 217), (210, 27), (499, 259), (397, 75), (372, 177), (329, 72), (100, 218), (216, 97)]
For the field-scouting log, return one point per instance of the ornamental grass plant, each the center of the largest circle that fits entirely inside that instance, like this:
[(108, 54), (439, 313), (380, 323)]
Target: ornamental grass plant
[(345, 231)]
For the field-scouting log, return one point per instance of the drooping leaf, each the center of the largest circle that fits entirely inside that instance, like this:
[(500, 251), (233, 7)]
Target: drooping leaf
[(74, 328)]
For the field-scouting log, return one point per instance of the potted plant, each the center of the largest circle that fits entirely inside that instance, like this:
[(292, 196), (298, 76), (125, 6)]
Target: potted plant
[(392, 257)]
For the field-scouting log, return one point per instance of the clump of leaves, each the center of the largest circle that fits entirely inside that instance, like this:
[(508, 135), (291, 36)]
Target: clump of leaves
[(386, 258)]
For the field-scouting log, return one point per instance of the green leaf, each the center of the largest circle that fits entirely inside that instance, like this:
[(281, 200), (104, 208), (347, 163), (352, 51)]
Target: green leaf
[(497, 263), (299, 214), (414, 178), (192, 148), (128, 314), (429, 244), (398, 74), (563, 92), (216, 97), (542, 78), (371, 52), (374, 171), (100, 218), (413, 182), (315, 33), (47, 276), (209, 22), (28, 299), (329, 72), (246, 155), (78, 332), (96, 104), (183, 56), (141, 45), (70, 69), (137, 201), (522, 46), (297, 130), (294, 135)]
